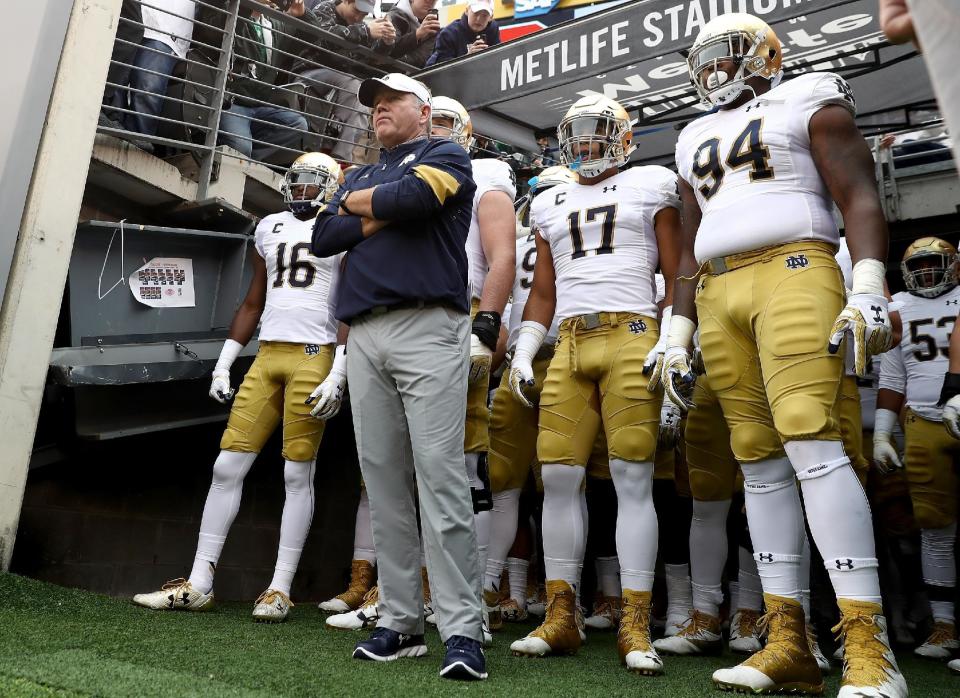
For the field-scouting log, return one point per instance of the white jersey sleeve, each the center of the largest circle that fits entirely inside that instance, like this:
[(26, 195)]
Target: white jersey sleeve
[(893, 373), (815, 91), (489, 175), (661, 288), (523, 282)]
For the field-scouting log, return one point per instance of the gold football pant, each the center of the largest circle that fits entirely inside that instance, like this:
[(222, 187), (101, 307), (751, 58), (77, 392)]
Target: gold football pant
[(513, 437), (596, 378), (476, 437), (713, 469), (276, 387), (851, 426), (764, 326), (930, 463)]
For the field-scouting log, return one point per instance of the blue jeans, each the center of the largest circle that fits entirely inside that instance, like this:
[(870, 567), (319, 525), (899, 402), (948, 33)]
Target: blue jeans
[(236, 130), (162, 60)]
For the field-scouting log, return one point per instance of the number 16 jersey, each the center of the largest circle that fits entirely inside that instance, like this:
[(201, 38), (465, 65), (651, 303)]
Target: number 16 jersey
[(603, 241), (301, 288), (753, 173)]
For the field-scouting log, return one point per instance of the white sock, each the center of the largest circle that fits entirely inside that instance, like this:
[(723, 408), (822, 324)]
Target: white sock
[(734, 596), (708, 554), (637, 527), (223, 502), (679, 592), (295, 523), (608, 576), (839, 517), (749, 589), (517, 573), (503, 530), (564, 537), (939, 570), (776, 524), (363, 547)]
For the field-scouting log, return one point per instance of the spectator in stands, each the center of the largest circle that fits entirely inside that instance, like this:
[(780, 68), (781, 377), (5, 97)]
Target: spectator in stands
[(547, 155), (344, 18), (475, 31), (168, 29), (417, 28), (255, 112), (129, 36)]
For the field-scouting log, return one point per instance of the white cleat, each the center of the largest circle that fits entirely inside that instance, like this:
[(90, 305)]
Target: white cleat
[(272, 607), (954, 666), (675, 625), (606, 614), (176, 595), (429, 615), (744, 635), (815, 650), (647, 663), (334, 605), (700, 636), (530, 647), (364, 617), (941, 643), (743, 678)]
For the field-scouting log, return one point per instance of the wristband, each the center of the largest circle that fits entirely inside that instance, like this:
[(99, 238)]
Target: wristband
[(486, 326), (883, 422), (529, 340), (343, 203), (951, 388), (681, 331), (868, 276), (229, 353)]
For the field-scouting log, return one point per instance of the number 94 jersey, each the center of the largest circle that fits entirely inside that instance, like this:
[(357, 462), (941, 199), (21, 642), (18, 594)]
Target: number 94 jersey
[(916, 366), (603, 241), (300, 287), (753, 173)]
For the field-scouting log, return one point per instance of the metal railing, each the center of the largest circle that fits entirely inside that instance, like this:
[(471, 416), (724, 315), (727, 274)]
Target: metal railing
[(263, 82)]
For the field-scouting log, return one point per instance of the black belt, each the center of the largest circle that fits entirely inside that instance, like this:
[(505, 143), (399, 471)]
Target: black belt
[(406, 305)]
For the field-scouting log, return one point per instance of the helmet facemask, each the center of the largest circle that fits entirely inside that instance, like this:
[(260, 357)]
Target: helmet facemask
[(297, 184), (458, 132), (721, 88), (602, 134), (929, 274)]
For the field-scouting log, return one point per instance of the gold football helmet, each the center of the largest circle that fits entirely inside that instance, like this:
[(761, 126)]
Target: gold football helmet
[(548, 177), (929, 267), (310, 170), (744, 39), (595, 120), (461, 130)]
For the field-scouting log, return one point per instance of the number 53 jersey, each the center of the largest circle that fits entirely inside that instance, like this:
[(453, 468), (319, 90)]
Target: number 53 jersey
[(301, 288), (753, 173), (916, 366), (603, 241)]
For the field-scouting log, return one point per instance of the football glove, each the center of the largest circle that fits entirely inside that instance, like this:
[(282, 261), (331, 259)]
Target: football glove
[(678, 377), (480, 359), (329, 394), (865, 316), (220, 389), (669, 432), (653, 365), (521, 368), (885, 455), (950, 401)]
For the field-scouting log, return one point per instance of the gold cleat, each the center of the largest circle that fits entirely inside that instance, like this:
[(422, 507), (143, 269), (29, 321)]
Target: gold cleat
[(511, 612), (700, 636), (633, 639), (940, 644), (272, 606), (744, 636), (606, 613), (869, 667), (362, 578), (785, 664), (491, 609), (558, 634)]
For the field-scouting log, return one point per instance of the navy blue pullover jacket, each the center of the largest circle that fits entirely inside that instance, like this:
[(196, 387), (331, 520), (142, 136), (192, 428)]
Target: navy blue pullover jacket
[(453, 39), (425, 189)]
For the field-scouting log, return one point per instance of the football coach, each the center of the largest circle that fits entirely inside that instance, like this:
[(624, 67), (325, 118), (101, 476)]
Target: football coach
[(403, 290)]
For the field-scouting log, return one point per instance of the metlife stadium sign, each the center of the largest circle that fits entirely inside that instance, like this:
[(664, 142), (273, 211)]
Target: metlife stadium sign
[(532, 8)]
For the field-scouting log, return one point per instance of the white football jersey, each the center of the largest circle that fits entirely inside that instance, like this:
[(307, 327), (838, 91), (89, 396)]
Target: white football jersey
[(522, 283), (753, 173), (603, 242), (301, 288), (489, 175), (916, 366)]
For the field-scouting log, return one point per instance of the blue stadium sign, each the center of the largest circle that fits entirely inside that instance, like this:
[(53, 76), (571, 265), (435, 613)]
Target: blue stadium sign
[(532, 8)]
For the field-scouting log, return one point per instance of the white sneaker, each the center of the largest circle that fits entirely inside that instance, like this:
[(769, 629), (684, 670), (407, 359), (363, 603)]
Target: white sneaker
[(364, 617), (744, 633), (176, 595), (272, 607)]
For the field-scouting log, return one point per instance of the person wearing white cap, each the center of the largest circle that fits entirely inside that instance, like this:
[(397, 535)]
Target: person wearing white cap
[(475, 31), (343, 18), (403, 291)]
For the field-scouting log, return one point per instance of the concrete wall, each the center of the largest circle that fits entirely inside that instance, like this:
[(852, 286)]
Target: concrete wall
[(122, 517)]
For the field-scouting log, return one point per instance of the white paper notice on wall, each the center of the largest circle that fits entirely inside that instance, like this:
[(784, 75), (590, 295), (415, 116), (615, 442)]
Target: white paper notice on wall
[(164, 282)]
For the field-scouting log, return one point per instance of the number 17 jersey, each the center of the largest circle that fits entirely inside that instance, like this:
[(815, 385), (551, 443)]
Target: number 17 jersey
[(301, 288), (603, 242), (753, 173)]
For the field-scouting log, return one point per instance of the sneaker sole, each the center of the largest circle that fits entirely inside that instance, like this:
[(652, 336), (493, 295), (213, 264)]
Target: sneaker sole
[(786, 689), (461, 672), (417, 651)]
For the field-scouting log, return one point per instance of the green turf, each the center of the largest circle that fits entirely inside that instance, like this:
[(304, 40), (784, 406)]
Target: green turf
[(62, 642)]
